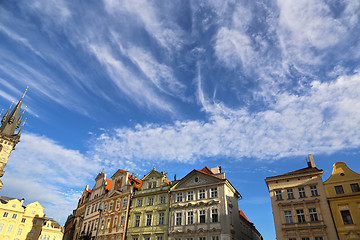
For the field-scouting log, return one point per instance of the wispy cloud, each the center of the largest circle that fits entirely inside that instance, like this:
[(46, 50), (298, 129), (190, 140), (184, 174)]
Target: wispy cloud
[(321, 121)]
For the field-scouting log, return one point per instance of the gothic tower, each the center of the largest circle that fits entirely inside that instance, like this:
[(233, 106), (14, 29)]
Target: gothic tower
[(8, 138)]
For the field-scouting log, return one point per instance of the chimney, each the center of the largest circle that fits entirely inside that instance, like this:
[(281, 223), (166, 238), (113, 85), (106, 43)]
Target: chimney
[(311, 161)]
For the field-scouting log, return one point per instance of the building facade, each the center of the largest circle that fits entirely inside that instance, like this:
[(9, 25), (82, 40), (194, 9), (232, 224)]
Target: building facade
[(51, 230), (204, 206), (299, 205), (149, 210), (343, 193), (8, 138), (79, 213), (91, 218), (19, 222), (116, 204), (248, 229)]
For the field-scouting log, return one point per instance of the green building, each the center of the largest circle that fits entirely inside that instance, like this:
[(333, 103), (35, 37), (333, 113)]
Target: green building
[(149, 210)]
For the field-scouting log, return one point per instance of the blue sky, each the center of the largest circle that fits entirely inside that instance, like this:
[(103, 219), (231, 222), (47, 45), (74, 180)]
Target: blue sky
[(253, 86)]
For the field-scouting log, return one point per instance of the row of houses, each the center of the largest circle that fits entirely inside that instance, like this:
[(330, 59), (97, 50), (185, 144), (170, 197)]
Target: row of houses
[(306, 208), (201, 206)]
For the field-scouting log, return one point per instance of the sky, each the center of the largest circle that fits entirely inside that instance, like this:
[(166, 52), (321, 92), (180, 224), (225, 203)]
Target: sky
[(252, 86)]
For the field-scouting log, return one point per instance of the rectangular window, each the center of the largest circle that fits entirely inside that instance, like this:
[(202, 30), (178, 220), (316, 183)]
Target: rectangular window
[(202, 194), (137, 220), (114, 223), (179, 197), (139, 203), (154, 184), (19, 231), (14, 216), (161, 218), (318, 238), (313, 215), (10, 228), (149, 185), (178, 219), (288, 217), (34, 222), (189, 239), (339, 189), (292, 238), (148, 220), (290, 194), (162, 199), (302, 192), (1, 227), (355, 187), (346, 216), (278, 195), (305, 238), (102, 225), (314, 191), (124, 202), (88, 211), (213, 192), (5, 214), (190, 196), (215, 238), (300, 215), (190, 219), (202, 216), (146, 238), (151, 201), (96, 207), (110, 206), (122, 220), (214, 215), (92, 209), (107, 223), (202, 238), (117, 204), (159, 238)]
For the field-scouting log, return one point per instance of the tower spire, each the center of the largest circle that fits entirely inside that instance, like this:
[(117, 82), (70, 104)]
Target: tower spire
[(10, 122), (20, 131), (6, 114)]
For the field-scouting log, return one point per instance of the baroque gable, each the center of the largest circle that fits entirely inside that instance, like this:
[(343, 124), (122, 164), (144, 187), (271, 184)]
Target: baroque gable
[(196, 178)]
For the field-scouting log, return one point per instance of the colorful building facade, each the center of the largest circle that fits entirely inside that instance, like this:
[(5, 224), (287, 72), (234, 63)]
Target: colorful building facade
[(343, 193), (149, 211)]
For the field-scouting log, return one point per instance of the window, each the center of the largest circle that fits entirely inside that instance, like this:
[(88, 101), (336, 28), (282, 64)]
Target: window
[(139, 203), (214, 215), (292, 238), (108, 223), (151, 201), (213, 192), (202, 194), (162, 199), (92, 209), (146, 238), (154, 184), (302, 192), (124, 202), (190, 196), (189, 239), (202, 238), (88, 211), (339, 189), (34, 222), (114, 223), (95, 207), (149, 185), (2, 226), (117, 204), (313, 215), (122, 221), (14, 216), (5, 214), (346, 216), (196, 179), (178, 219), (190, 219), (110, 206), (202, 216), (305, 238), (161, 218), (290, 194), (215, 238), (10, 228), (278, 195), (148, 220), (355, 187), (137, 220), (288, 217), (159, 238), (314, 191), (300, 215), (318, 238), (102, 225), (179, 197)]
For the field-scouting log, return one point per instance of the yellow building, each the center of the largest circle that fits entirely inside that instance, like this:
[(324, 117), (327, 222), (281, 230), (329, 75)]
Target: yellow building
[(51, 230), (343, 193), (19, 222)]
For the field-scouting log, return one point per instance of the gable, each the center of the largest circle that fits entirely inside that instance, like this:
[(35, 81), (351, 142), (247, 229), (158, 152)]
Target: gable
[(196, 178), (153, 174)]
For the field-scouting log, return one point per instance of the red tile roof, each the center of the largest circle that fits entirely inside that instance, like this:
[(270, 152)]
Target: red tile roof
[(243, 215), (207, 171), (89, 190), (108, 185)]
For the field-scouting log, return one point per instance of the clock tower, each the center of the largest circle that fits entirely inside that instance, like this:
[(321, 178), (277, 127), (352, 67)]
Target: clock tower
[(8, 138)]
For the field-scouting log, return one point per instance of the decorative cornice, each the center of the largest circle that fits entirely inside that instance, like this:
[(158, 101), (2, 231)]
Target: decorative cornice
[(197, 204)]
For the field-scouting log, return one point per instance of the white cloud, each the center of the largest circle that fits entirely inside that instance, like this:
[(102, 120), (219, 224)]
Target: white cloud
[(322, 121)]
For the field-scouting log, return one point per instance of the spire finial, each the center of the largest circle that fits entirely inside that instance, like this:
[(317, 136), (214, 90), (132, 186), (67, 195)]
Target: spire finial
[(25, 91)]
